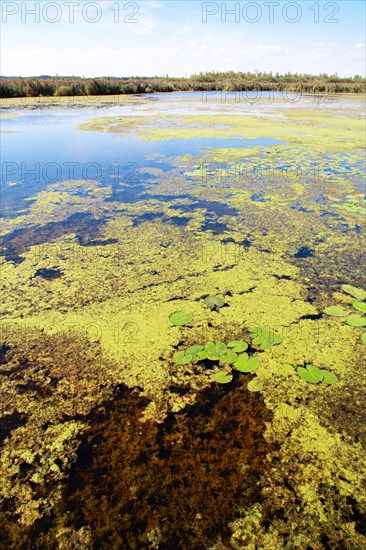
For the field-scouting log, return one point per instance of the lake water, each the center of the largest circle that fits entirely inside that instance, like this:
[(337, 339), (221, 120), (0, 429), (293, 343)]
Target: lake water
[(45, 147)]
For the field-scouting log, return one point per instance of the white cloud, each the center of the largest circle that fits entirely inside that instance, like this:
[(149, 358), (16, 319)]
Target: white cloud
[(185, 57)]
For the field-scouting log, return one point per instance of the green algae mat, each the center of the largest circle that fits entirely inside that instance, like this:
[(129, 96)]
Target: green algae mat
[(186, 368)]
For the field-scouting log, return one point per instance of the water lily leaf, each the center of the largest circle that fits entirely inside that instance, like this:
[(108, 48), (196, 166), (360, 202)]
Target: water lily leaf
[(238, 345), (247, 366), (255, 385), (221, 348), (215, 351), (222, 377), (356, 320), (178, 356), (264, 344), (336, 311), (210, 347), (241, 360), (264, 337), (328, 377), (310, 374), (360, 306), (358, 293), (182, 358), (201, 355), (194, 349), (229, 357), (179, 318), (252, 364), (214, 301)]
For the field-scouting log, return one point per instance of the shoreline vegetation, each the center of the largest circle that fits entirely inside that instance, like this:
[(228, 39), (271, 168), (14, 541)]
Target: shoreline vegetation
[(48, 86)]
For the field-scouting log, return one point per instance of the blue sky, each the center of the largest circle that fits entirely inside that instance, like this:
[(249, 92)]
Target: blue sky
[(181, 37)]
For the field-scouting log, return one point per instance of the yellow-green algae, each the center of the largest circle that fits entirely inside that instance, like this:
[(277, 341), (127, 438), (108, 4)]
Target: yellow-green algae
[(105, 322), (312, 135)]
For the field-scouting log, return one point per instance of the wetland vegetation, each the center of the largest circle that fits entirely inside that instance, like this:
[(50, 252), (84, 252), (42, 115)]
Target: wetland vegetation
[(208, 81), (182, 351)]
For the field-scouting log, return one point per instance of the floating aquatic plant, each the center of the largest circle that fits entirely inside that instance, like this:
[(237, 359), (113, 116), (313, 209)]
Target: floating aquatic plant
[(353, 319), (336, 311), (357, 293), (254, 385), (264, 337), (182, 357), (215, 350), (179, 318), (360, 306), (314, 375), (356, 320), (222, 377), (221, 353), (229, 357), (247, 364), (353, 204), (214, 302), (238, 345), (194, 349)]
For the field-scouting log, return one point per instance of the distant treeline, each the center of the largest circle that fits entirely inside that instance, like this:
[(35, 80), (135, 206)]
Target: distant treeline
[(209, 81)]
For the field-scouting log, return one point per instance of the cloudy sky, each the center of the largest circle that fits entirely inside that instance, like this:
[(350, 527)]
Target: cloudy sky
[(181, 37)]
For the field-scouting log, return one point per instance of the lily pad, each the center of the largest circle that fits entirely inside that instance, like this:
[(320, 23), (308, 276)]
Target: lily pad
[(250, 365), (255, 385), (210, 347), (178, 356), (238, 346), (215, 350), (356, 320), (242, 359), (310, 374), (328, 377), (264, 337), (360, 306), (358, 293), (336, 311), (221, 348), (194, 349), (214, 302), (182, 357), (229, 357), (222, 377), (179, 318), (201, 355)]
